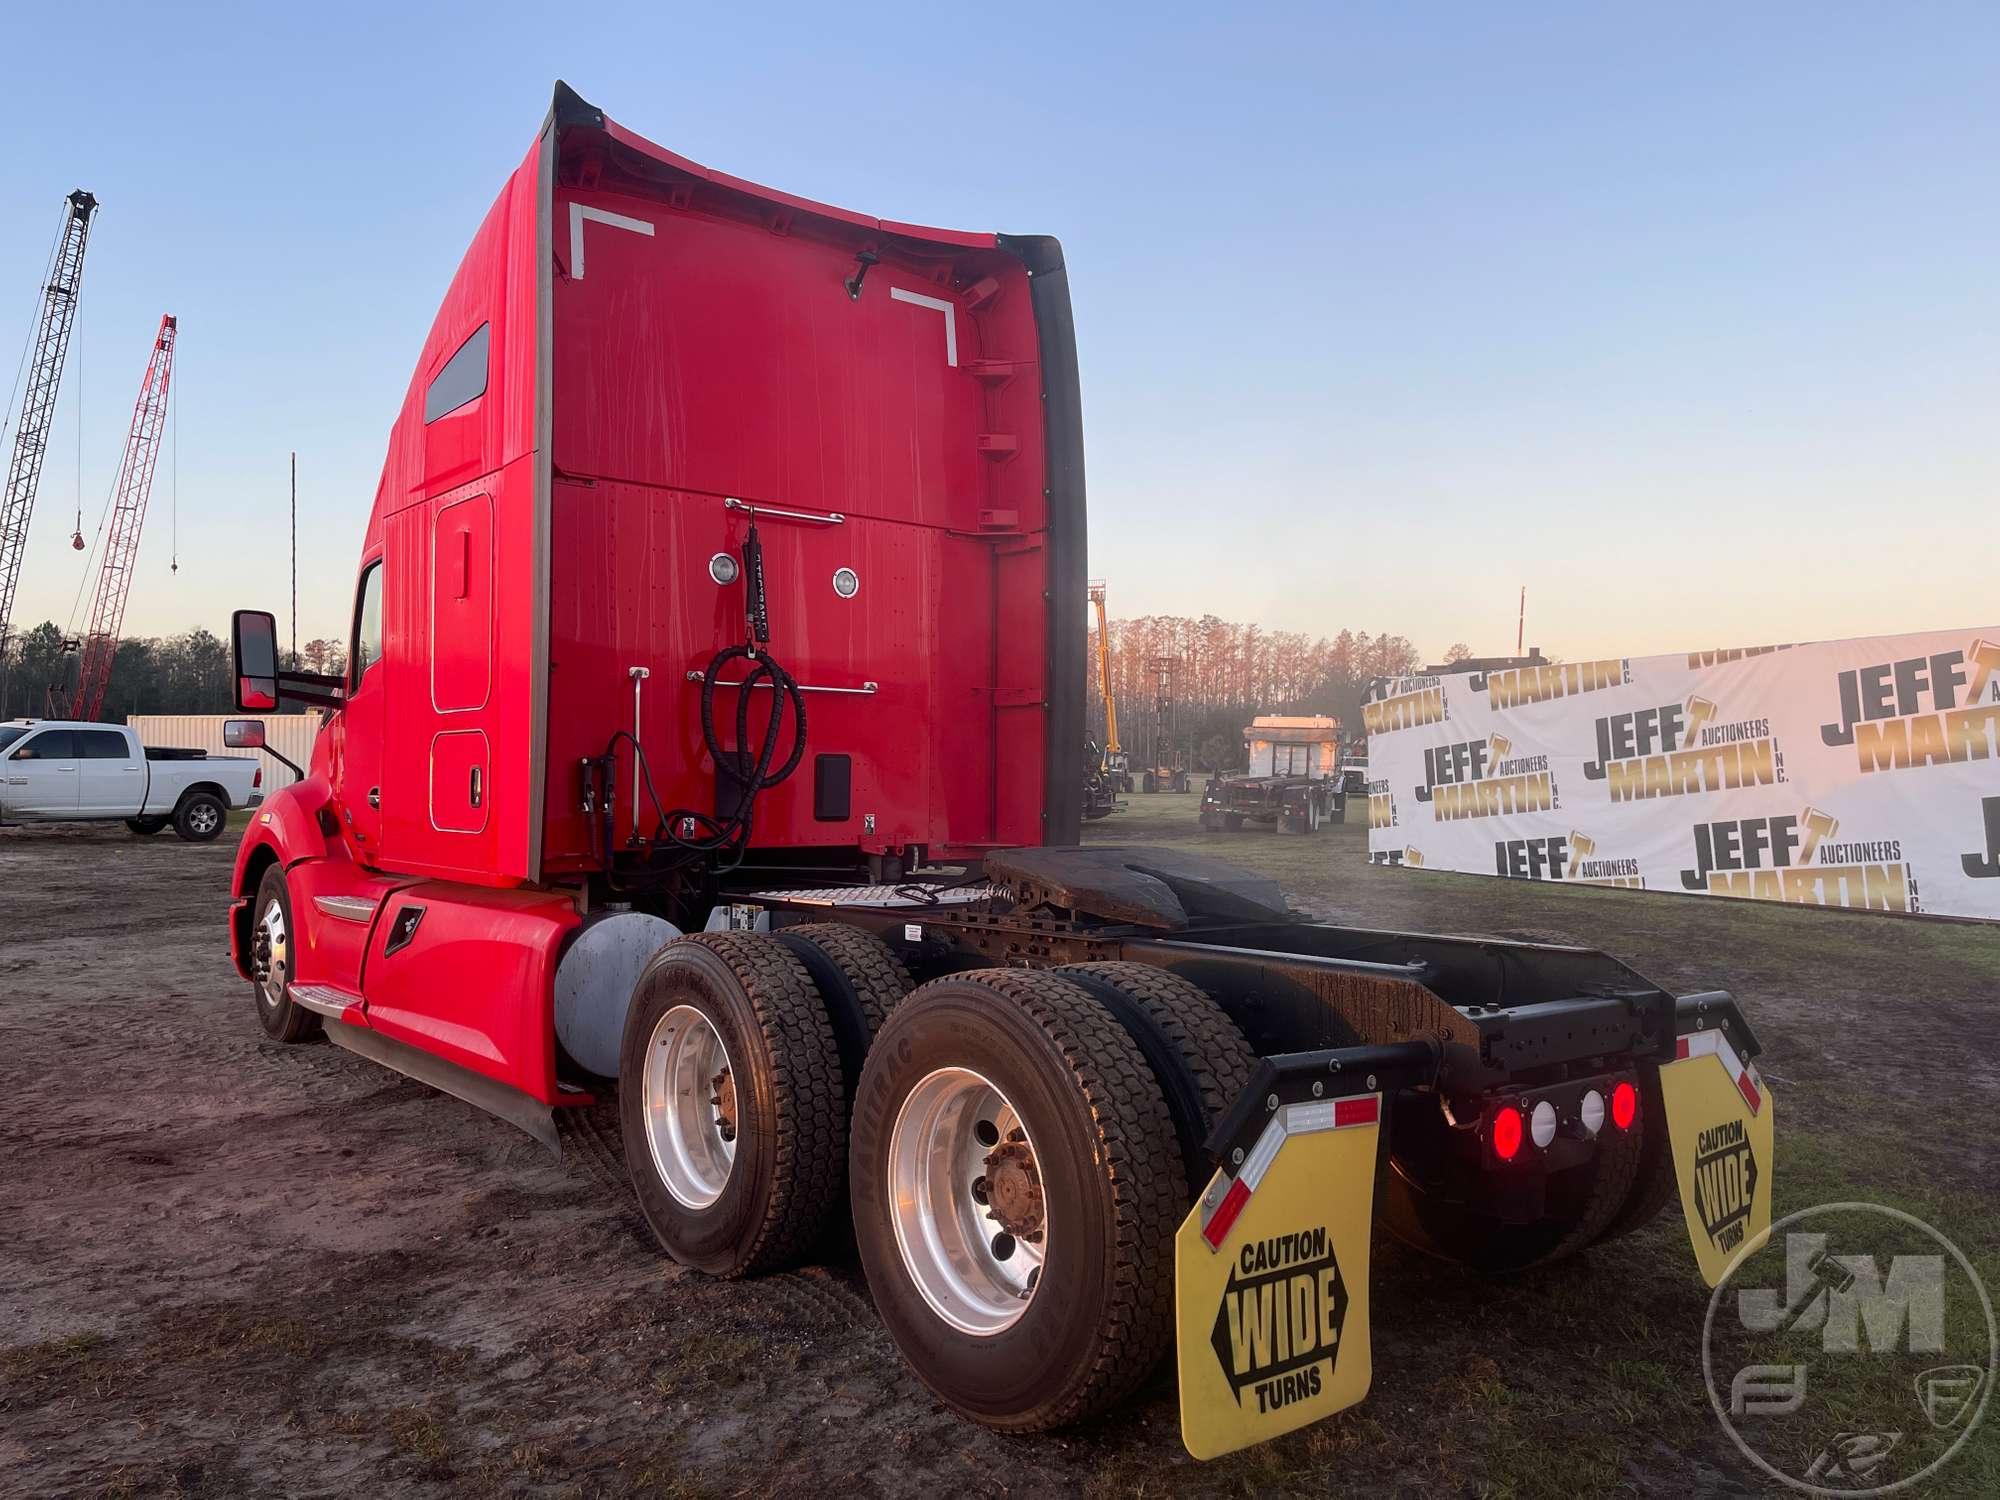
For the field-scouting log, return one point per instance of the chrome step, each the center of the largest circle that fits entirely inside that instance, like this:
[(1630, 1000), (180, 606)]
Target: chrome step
[(323, 998), (346, 908)]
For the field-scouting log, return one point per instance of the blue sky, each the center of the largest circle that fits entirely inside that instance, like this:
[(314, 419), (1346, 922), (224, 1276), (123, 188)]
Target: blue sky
[(1685, 319)]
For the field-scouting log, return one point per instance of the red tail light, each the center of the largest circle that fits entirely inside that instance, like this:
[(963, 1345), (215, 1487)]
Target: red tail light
[(258, 779), (1624, 1105), (1506, 1135)]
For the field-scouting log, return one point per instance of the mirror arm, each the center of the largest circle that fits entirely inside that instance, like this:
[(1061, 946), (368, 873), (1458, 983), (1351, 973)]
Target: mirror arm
[(319, 689)]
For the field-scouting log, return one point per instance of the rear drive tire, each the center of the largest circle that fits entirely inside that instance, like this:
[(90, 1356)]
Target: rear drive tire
[(1199, 1057), (1422, 1208), (1013, 1092), (272, 937), (731, 1103), (1654, 1183), (857, 976), (145, 828), (200, 818)]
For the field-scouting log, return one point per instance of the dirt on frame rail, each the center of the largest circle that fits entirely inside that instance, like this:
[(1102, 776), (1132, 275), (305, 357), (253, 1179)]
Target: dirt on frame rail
[(229, 1267)]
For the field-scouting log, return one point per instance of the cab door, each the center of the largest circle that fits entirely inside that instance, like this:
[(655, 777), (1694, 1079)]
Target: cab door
[(110, 778), (38, 779), (364, 720)]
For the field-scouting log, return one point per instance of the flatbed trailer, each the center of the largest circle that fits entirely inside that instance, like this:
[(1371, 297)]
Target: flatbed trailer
[(1080, 1107)]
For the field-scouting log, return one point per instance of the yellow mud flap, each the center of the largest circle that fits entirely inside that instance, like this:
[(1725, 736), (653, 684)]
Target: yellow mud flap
[(1719, 1121), (1271, 1280)]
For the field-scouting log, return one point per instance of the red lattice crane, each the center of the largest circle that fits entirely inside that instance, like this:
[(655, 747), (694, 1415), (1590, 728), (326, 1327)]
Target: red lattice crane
[(47, 354), (128, 516)]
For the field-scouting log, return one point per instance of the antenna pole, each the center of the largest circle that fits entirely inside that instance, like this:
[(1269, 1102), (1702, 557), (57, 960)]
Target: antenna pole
[(1521, 623), (295, 558)]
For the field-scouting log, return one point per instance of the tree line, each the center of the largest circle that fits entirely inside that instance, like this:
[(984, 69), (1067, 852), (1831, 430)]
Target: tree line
[(1185, 687), (176, 674)]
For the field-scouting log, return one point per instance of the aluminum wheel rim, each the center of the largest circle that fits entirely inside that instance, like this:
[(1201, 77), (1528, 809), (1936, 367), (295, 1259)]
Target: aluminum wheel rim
[(272, 954), (974, 1274), (201, 818), (693, 1147)]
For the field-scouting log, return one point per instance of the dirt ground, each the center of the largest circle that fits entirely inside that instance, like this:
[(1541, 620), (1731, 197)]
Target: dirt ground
[(230, 1267)]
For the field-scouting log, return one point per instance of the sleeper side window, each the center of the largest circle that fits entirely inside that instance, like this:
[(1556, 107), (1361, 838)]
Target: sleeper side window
[(462, 379)]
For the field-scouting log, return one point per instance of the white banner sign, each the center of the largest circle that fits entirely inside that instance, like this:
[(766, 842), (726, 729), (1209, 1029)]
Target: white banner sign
[(1861, 773)]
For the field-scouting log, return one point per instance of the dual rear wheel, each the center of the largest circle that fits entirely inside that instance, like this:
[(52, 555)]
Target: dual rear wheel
[(1017, 1147)]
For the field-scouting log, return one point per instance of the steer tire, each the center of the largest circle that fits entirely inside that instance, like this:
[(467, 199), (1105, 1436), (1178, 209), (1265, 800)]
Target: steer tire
[(1107, 1169), (790, 1108), (1200, 1057), (282, 1017), (201, 817), (145, 828)]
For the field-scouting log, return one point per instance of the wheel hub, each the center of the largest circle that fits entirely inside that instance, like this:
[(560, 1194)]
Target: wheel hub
[(723, 1101), (970, 1212), (270, 954), (1014, 1189), (690, 1106)]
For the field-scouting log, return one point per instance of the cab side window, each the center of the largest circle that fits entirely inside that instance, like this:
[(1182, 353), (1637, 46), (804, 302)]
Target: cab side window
[(50, 744), (367, 648), (102, 744)]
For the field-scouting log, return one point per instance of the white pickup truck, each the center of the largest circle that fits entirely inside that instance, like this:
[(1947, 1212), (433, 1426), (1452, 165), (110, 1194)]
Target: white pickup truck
[(59, 771)]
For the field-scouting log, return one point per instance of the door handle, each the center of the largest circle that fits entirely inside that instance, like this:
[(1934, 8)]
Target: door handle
[(475, 788), (375, 798)]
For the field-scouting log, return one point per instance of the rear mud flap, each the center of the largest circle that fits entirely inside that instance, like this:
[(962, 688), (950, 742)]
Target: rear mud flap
[(1271, 1280), (1719, 1121)]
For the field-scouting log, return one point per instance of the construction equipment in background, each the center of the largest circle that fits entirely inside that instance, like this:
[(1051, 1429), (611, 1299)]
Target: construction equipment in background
[(1295, 782), (1114, 771), (127, 518), (47, 353), (1167, 770)]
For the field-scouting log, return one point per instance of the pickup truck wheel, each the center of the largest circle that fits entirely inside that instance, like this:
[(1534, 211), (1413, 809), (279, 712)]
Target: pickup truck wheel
[(200, 817), (282, 1018), (731, 1103), (1016, 1186), (145, 827)]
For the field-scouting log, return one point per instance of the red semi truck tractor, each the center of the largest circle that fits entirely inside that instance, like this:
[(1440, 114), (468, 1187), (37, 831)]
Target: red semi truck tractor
[(711, 736)]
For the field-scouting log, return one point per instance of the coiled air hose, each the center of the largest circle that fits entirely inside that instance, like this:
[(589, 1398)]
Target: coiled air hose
[(725, 833)]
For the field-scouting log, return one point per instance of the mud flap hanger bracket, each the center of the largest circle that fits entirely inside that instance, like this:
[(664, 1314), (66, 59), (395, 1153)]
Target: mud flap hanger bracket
[(1306, 1077), (1715, 1010)]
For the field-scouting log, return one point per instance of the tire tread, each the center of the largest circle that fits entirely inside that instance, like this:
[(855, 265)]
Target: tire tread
[(806, 1085)]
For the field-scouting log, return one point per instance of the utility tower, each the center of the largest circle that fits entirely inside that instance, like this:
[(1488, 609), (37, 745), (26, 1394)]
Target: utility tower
[(46, 356), (128, 516)]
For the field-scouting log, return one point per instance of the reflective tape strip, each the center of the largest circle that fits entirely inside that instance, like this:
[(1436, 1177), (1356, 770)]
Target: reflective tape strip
[(1715, 1044), (1263, 1153), (1216, 1230)]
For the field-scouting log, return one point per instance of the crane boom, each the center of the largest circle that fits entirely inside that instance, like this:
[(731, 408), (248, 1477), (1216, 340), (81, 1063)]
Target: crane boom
[(48, 353), (1111, 745), (128, 516)]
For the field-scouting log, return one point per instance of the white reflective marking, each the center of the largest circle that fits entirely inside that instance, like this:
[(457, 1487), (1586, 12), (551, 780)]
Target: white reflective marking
[(1263, 1153), (1302, 1119), (578, 213), (935, 304)]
